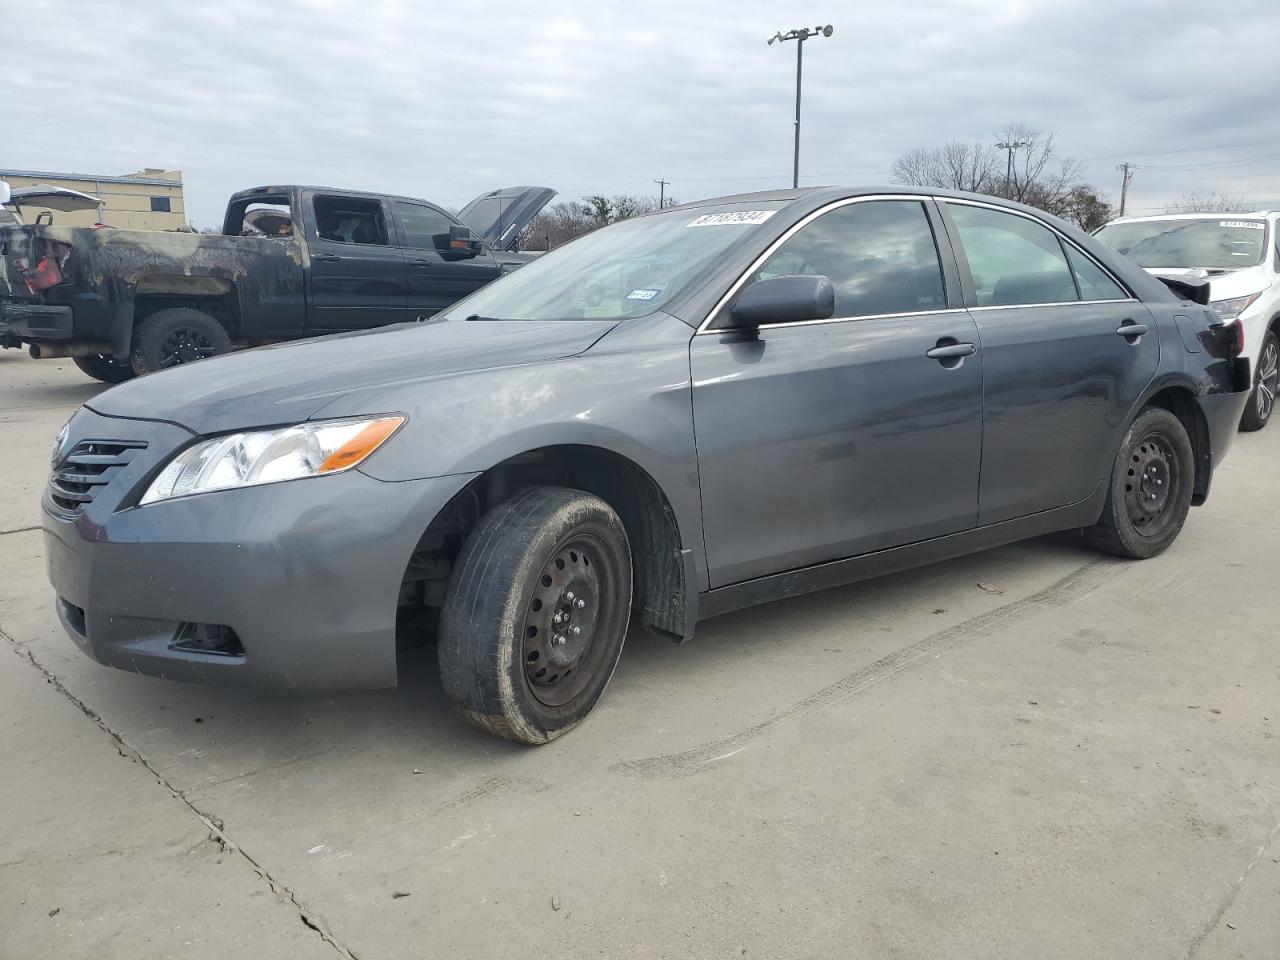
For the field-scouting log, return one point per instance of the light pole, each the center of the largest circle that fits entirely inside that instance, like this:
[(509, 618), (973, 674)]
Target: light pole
[(1008, 147), (800, 35)]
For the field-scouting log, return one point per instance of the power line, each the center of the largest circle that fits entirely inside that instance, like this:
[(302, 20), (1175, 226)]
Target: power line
[(1164, 153)]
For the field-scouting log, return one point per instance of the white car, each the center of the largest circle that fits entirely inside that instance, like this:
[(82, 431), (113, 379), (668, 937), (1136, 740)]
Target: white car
[(1239, 254)]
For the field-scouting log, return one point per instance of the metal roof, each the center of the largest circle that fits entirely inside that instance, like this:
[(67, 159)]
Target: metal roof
[(45, 175)]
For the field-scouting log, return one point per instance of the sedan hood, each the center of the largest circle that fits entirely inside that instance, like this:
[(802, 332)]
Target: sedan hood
[(291, 382)]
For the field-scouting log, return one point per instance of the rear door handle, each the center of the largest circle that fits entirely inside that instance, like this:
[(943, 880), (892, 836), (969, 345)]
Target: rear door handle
[(951, 351), (1130, 329), (325, 258), (421, 263)]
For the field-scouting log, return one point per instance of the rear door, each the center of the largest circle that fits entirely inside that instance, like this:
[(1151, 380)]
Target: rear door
[(1066, 353), (357, 274), (826, 439), (435, 275)]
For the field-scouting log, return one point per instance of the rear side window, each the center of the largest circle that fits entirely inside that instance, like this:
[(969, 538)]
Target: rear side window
[(424, 227), (1093, 281), (350, 220), (880, 256), (1013, 260)]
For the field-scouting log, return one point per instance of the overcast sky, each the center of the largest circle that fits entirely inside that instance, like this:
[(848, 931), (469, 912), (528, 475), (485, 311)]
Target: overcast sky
[(444, 100)]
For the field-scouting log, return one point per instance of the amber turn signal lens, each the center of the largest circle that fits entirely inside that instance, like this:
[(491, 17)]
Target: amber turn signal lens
[(361, 445)]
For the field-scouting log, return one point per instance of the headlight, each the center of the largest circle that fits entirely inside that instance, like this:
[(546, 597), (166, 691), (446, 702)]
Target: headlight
[(269, 456), (1230, 309)]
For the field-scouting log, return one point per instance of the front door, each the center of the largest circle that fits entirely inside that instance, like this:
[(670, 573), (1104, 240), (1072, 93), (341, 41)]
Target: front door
[(827, 439), (1061, 374), (357, 276), (436, 276)]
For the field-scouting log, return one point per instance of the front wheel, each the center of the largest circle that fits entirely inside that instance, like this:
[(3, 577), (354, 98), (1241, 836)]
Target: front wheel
[(536, 613), (106, 369), (1151, 486), (1263, 400)]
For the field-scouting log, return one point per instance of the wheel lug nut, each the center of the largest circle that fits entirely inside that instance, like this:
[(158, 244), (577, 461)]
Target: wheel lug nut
[(558, 640), (580, 603), (568, 595), (575, 630)]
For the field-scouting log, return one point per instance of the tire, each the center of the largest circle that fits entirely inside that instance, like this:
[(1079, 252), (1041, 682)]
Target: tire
[(176, 336), (1262, 402), (547, 553), (1151, 486), (106, 369)]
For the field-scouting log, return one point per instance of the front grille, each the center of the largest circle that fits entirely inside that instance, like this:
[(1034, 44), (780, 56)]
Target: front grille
[(90, 466)]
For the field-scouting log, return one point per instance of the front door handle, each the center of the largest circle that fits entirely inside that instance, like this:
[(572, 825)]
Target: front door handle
[(325, 258), (420, 263), (1129, 329), (951, 351)]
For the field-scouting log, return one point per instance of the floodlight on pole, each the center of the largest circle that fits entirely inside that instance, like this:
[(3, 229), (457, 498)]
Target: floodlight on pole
[(800, 35)]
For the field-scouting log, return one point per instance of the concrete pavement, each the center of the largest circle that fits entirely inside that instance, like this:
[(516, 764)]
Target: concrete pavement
[(1034, 751)]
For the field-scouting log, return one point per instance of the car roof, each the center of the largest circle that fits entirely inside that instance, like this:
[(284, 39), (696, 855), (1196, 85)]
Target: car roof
[(285, 188), (1201, 215)]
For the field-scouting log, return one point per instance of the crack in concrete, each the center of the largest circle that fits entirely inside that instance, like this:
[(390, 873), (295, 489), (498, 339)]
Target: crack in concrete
[(1076, 584), (4, 533), (216, 827), (1194, 949)]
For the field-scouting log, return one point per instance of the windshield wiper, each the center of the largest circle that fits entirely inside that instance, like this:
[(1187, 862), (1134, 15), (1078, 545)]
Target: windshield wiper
[(476, 316)]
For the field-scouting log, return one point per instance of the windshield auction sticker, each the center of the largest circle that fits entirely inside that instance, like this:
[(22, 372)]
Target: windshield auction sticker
[(1242, 224), (645, 293), (726, 219)]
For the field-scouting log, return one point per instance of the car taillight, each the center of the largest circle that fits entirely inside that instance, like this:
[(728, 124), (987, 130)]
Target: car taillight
[(43, 275), (47, 271)]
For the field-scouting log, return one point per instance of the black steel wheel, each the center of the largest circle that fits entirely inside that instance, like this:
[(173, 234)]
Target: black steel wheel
[(536, 613), (104, 368), (1263, 401), (176, 336), (1151, 487)]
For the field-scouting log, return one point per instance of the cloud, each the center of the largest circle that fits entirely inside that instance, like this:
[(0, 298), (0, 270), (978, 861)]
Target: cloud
[(445, 101)]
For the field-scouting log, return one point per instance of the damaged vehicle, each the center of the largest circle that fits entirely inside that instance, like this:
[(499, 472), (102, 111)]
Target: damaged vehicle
[(291, 262), (1239, 255), (876, 379)]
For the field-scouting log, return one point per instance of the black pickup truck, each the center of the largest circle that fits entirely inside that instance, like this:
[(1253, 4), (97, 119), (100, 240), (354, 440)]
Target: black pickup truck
[(290, 262)]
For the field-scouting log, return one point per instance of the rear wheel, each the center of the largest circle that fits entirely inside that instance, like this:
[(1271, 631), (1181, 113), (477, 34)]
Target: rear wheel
[(1263, 401), (1151, 486), (106, 369), (536, 614), (176, 336)]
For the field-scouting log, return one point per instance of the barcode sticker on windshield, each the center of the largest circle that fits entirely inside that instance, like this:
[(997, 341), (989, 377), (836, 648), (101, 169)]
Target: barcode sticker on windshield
[(740, 217), (645, 293), (1242, 224)]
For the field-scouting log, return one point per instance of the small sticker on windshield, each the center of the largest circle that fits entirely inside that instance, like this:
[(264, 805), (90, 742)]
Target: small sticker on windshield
[(738, 217), (645, 293), (1242, 224)]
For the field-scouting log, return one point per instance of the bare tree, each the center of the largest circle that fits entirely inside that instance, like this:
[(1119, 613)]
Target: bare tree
[(1035, 174), (562, 222), (1207, 201)]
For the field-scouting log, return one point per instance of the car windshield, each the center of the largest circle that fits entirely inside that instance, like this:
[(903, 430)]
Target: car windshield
[(625, 270), (1214, 244)]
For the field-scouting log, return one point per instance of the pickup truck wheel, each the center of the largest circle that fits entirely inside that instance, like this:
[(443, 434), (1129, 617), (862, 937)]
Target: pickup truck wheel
[(1262, 402), (1151, 487), (176, 336), (106, 369), (536, 614)]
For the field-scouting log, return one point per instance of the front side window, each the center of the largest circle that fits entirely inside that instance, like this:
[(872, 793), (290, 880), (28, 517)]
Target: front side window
[(880, 256), (1093, 281), (1211, 243), (425, 228), (350, 220), (1012, 259)]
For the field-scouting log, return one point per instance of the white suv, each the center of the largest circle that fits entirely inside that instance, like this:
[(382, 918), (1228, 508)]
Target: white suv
[(1239, 254)]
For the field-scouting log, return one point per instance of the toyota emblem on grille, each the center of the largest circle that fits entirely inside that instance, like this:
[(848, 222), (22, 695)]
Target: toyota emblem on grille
[(60, 443)]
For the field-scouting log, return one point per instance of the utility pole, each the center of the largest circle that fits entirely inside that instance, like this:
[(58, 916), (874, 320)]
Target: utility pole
[(1126, 174), (800, 35), (1008, 147), (662, 192)]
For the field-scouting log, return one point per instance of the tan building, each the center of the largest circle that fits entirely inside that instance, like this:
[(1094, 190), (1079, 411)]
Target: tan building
[(148, 200)]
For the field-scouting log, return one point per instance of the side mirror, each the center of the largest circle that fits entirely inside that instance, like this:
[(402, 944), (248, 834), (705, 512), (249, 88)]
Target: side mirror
[(5, 193), (463, 243), (783, 300)]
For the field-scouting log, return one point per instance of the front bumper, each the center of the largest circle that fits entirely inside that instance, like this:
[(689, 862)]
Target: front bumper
[(306, 573), (34, 321)]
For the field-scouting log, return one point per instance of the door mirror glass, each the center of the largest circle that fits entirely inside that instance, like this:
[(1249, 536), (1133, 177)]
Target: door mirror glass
[(784, 300)]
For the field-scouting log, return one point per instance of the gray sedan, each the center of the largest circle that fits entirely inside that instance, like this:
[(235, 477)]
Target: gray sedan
[(688, 413)]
